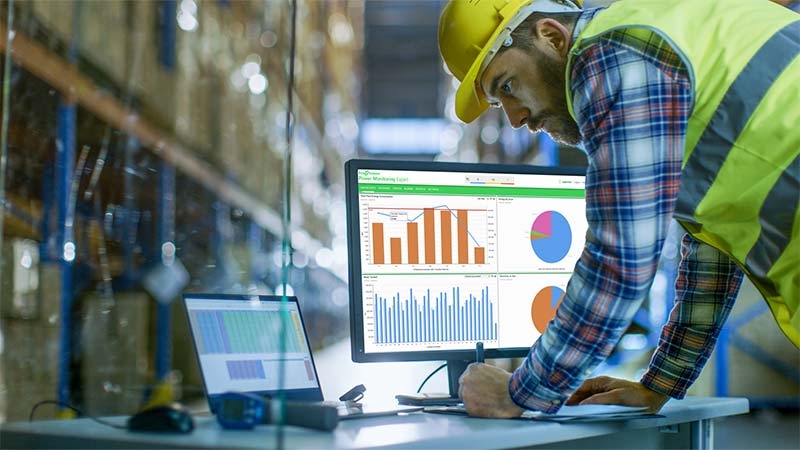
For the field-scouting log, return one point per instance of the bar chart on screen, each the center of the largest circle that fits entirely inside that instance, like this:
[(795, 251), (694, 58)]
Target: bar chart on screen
[(430, 316), (440, 313), (441, 235)]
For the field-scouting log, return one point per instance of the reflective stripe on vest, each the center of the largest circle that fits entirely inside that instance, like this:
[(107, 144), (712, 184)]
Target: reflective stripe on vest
[(776, 214), (732, 114)]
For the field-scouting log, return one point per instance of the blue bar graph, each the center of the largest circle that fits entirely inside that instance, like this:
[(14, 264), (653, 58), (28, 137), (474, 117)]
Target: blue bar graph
[(246, 370), (435, 317)]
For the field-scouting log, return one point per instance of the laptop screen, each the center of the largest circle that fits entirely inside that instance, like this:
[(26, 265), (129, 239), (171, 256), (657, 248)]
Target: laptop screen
[(237, 340)]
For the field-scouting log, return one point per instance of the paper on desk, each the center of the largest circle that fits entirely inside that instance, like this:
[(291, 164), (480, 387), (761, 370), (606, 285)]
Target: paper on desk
[(590, 413)]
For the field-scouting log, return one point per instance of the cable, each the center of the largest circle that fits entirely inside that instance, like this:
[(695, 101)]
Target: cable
[(77, 410), (419, 389)]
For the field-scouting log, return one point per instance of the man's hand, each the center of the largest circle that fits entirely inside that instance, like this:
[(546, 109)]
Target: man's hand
[(484, 390), (614, 391)]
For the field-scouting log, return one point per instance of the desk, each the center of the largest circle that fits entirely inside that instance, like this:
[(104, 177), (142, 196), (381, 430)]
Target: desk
[(685, 423)]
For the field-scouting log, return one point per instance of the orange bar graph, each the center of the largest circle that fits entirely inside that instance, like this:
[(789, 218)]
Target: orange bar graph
[(395, 252), (480, 255), (428, 233), (377, 243), (419, 240), (463, 241), (447, 238), (413, 242)]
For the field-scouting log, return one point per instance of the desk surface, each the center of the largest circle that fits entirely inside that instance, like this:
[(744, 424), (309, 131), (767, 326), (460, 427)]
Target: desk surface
[(415, 430)]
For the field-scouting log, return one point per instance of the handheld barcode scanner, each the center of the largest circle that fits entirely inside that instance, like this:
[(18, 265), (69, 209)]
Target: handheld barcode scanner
[(240, 410)]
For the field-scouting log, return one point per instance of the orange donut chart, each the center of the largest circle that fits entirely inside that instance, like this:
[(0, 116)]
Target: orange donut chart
[(544, 305)]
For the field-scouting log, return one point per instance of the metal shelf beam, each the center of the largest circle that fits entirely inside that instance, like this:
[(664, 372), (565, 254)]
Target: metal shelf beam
[(65, 78)]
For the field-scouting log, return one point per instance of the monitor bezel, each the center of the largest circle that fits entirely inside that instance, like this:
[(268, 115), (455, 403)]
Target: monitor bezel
[(352, 166)]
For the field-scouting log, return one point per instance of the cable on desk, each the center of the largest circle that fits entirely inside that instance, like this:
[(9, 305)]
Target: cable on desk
[(77, 410), (419, 389)]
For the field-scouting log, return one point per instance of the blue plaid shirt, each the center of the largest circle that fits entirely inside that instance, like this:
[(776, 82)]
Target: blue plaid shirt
[(632, 100)]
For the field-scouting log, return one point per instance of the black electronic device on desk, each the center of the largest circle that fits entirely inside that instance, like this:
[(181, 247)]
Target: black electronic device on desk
[(244, 411), (170, 418), (444, 255)]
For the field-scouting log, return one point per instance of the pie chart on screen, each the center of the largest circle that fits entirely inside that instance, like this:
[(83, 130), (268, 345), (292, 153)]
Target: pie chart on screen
[(551, 236), (543, 308)]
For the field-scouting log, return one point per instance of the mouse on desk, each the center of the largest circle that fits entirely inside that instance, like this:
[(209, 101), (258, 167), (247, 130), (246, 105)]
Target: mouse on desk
[(171, 418)]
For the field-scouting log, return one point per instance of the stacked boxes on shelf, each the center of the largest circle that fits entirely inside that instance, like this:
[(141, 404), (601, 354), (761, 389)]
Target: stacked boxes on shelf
[(204, 114)]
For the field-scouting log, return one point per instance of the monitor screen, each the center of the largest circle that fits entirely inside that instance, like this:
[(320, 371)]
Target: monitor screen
[(445, 255)]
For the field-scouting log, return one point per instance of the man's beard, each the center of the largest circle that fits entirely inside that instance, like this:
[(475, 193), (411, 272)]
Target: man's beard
[(560, 127), (559, 123), (564, 130)]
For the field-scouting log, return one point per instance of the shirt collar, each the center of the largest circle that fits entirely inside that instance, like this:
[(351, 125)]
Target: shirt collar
[(583, 20)]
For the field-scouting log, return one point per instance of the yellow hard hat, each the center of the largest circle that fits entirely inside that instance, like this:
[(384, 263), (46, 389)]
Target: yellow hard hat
[(470, 34)]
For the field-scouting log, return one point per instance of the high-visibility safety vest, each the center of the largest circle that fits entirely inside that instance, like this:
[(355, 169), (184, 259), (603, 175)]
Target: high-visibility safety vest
[(740, 179)]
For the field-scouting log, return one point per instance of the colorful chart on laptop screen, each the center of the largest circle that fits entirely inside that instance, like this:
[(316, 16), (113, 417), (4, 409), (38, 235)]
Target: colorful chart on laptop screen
[(543, 308), (551, 236)]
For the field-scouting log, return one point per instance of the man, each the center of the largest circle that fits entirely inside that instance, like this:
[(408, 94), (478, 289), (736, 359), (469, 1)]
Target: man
[(687, 109)]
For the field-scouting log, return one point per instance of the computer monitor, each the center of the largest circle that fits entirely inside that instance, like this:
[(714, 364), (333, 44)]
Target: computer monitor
[(445, 255)]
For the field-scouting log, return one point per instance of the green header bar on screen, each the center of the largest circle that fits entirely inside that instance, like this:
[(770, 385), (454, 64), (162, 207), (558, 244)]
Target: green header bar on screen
[(475, 191)]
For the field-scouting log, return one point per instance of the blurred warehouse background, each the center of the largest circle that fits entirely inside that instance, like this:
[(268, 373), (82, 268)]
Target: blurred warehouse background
[(146, 155)]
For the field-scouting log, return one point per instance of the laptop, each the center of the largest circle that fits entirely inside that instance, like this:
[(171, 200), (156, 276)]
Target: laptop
[(237, 341)]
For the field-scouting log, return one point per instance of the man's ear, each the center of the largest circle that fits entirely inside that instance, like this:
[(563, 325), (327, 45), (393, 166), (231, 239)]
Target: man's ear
[(553, 36)]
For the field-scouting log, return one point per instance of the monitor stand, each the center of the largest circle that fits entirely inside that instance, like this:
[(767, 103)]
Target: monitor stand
[(454, 370)]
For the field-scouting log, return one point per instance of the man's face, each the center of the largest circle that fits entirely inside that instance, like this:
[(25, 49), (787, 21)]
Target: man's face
[(530, 87)]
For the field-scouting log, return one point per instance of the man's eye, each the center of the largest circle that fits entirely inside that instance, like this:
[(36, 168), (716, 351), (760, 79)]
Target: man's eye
[(506, 88)]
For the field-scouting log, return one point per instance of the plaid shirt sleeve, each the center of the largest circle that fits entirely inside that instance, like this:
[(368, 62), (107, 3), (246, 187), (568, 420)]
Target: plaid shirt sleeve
[(632, 100), (705, 289)]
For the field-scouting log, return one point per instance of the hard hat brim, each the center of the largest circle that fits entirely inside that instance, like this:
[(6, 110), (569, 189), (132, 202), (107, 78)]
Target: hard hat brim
[(470, 100)]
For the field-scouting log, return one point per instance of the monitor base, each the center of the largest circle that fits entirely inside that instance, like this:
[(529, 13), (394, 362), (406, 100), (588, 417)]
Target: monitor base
[(454, 370), (427, 399)]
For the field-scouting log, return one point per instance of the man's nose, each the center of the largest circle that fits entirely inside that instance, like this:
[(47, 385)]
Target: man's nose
[(516, 116)]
